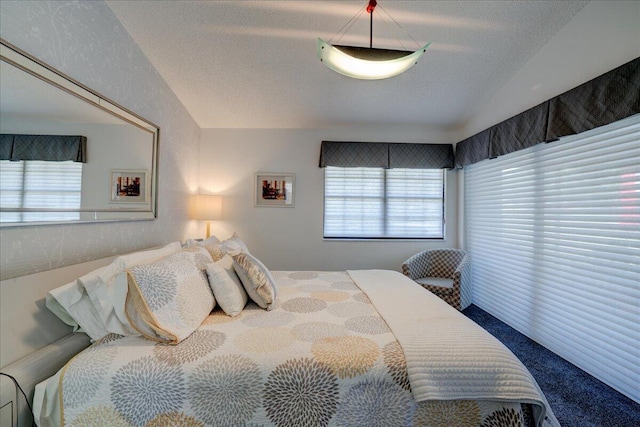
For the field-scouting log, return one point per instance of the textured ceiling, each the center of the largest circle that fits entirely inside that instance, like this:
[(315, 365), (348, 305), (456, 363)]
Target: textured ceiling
[(253, 64)]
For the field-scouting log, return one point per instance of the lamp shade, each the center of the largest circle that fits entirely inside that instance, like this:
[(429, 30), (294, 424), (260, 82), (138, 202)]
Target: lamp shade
[(208, 207), (367, 63)]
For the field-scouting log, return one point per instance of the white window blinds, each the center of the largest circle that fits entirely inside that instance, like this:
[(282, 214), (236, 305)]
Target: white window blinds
[(383, 203), (41, 185), (554, 234)]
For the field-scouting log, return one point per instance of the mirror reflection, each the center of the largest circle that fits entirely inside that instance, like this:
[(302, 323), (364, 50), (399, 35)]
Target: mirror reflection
[(68, 154)]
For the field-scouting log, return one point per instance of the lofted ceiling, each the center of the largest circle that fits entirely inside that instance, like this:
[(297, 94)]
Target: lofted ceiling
[(253, 64)]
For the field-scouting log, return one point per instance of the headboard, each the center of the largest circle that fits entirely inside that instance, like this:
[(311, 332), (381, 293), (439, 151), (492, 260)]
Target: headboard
[(26, 324), (34, 342)]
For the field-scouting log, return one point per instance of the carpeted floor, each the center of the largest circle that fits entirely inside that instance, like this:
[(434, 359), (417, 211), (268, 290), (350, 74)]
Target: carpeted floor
[(577, 398)]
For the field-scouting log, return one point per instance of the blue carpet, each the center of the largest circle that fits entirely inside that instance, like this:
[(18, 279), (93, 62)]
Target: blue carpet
[(577, 398)]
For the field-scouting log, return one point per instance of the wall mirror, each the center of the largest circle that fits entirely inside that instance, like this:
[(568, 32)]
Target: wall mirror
[(68, 154)]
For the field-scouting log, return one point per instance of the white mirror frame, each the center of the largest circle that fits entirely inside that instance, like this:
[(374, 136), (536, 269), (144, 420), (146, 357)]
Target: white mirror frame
[(48, 74)]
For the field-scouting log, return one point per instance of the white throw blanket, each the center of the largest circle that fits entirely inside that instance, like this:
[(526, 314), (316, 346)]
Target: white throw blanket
[(449, 356)]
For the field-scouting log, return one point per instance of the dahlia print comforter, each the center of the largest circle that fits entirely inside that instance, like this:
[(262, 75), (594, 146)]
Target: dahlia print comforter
[(324, 356)]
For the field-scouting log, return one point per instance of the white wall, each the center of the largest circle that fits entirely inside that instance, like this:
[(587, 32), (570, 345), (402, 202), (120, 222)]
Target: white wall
[(291, 238), (85, 40)]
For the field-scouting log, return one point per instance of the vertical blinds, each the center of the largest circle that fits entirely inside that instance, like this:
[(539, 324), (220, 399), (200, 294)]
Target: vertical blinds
[(40, 185), (554, 232), (383, 203)]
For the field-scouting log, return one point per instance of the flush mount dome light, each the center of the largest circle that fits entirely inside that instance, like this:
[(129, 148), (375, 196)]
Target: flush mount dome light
[(367, 63)]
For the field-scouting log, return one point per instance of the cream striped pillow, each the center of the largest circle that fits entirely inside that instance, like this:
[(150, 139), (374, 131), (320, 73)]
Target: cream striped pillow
[(256, 279)]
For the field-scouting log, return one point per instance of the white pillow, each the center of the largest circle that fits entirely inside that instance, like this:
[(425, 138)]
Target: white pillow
[(226, 286), (256, 280), (107, 290), (73, 306), (107, 287)]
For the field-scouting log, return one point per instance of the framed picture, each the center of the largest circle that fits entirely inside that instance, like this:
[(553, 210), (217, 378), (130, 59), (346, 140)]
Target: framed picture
[(128, 186), (275, 189)]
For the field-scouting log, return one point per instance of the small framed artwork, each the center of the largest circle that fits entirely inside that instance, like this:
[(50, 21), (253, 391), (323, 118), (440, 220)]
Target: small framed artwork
[(128, 186), (275, 189)]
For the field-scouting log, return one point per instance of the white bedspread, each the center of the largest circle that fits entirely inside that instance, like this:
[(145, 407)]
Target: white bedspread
[(448, 355)]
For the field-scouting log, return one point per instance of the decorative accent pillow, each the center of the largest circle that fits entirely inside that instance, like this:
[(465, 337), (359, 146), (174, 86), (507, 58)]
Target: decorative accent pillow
[(232, 246), (170, 298), (201, 258), (256, 279), (226, 286), (107, 287)]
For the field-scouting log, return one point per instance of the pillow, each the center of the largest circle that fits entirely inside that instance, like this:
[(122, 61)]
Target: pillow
[(73, 306), (195, 242), (200, 258), (256, 279), (226, 286), (145, 257), (169, 298), (232, 246), (107, 287)]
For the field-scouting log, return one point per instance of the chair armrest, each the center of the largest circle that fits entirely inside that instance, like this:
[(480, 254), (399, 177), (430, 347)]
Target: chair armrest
[(463, 265), (416, 266), (462, 272)]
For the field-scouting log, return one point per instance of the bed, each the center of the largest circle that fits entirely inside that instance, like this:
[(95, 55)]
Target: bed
[(350, 348)]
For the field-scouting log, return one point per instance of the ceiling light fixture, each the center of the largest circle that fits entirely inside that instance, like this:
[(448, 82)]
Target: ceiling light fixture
[(368, 63)]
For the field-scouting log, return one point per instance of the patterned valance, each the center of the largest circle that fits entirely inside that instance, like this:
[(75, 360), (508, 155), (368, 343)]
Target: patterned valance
[(386, 155), (473, 149), (354, 154), (603, 100), (519, 132), (51, 148)]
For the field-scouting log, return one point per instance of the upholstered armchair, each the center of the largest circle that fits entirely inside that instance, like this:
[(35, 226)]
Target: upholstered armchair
[(444, 272)]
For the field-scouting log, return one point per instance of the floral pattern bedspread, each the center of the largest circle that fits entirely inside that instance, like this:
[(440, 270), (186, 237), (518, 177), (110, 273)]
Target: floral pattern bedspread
[(322, 357)]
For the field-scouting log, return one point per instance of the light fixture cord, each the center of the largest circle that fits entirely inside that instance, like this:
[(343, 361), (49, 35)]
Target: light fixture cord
[(370, 28), (346, 27), (370, 8), (399, 26)]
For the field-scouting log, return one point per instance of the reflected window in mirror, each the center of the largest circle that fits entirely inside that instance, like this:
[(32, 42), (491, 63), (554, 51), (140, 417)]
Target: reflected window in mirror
[(39, 104), (37, 184)]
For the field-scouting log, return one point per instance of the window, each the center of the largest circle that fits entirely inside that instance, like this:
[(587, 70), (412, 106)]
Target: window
[(40, 184), (364, 203), (554, 235)]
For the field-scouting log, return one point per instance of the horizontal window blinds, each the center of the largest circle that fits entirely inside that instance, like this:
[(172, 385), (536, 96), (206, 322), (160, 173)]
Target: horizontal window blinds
[(415, 203), (383, 203), (40, 185), (554, 234), (353, 202)]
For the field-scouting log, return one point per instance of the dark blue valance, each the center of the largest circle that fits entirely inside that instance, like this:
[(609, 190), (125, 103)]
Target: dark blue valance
[(386, 155), (606, 99), (51, 148)]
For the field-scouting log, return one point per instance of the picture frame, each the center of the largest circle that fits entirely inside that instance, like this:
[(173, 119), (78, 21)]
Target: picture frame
[(128, 186), (275, 189)]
